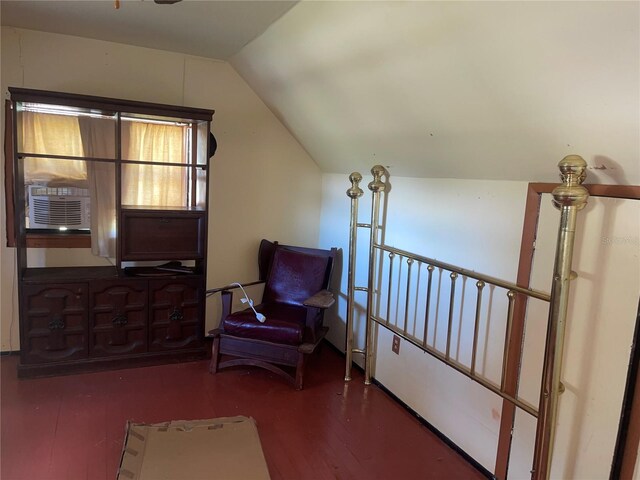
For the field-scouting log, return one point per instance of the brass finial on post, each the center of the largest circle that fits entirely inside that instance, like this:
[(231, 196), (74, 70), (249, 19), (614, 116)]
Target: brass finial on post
[(571, 193), (569, 198), (354, 193), (377, 185)]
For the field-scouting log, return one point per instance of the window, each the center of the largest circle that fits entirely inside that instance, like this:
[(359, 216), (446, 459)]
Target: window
[(78, 161)]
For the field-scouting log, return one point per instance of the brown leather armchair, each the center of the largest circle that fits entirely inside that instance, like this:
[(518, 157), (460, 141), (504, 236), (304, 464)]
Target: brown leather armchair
[(294, 300)]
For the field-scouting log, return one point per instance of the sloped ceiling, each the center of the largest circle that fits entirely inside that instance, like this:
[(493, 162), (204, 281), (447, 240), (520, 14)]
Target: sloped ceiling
[(483, 90), (477, 90), (213, 29)]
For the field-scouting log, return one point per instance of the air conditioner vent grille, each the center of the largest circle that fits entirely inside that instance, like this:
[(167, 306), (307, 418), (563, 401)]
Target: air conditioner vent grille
[(59, 207), (58, 212)]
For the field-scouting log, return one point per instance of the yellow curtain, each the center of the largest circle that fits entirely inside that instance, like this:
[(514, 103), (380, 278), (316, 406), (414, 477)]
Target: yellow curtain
[(98, 135), (157, 186), (52, 135)]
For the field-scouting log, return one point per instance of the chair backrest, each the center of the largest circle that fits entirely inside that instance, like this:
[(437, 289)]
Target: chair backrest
[(294, 273)]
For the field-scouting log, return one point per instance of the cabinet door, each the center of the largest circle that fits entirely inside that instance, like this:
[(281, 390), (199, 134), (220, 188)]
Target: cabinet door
[(176, 313), (161, 235), (118, 318), (54, 322)]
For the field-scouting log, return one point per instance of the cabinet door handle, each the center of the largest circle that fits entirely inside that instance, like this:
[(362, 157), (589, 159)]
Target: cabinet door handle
[(176, 315), (164, 220), (120, 320), (56, 323)]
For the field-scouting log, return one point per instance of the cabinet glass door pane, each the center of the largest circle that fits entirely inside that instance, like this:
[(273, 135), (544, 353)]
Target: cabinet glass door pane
[(158, 141), (67, 195), (56, 194), (158, 186), (201, 188), (64, 131), (202, 156)]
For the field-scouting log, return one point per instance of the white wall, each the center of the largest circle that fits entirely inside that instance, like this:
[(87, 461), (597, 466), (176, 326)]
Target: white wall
[(477, 225), (263, 184)]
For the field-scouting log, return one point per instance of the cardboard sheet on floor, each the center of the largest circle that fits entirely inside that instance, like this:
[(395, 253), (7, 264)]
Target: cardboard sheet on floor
[(219, 448)]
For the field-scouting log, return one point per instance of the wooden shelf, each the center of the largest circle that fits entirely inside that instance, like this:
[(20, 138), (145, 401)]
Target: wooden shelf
[(153, 208), (80, 318)]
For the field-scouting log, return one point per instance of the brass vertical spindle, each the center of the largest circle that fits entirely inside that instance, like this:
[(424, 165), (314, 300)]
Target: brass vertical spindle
[(391, 257), (570, 197), (453, 276), (511, 295), (381, 237), (480, 285), (408, 293), (354, 193), (430, 270), (376, 186)]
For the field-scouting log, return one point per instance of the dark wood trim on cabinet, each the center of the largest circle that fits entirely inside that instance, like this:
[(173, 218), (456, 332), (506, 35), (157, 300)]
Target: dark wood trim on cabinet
[(8, 173), (107, 104), (36, 240)]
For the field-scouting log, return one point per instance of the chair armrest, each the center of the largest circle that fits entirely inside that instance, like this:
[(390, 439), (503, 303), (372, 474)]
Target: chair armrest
[(322, 299)]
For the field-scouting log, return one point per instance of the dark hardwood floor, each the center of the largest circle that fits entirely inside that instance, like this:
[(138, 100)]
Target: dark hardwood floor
[(72, 427)]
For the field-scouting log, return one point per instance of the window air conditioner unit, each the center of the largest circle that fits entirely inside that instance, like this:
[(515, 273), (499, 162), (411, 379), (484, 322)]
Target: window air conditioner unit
[(59, 207)]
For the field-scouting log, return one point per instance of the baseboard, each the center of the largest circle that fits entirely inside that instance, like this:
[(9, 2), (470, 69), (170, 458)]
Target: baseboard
[(450, 443)]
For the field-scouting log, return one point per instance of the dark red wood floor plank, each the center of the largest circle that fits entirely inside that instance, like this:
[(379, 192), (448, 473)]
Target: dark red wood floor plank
[(73, 427), (28, 416)]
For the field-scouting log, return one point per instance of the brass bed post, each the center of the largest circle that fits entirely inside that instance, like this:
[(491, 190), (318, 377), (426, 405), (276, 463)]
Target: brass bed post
[(354, 193), (376, 186), (569, 197)]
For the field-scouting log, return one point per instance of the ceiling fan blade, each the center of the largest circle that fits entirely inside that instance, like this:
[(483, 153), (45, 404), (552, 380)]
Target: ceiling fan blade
[(166, 2)]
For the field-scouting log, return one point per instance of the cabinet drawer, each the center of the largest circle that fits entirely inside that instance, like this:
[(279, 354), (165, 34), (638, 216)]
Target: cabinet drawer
[(161, 235)]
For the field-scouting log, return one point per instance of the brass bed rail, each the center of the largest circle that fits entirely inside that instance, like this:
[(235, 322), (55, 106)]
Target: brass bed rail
[(456, 275), (569, 197)]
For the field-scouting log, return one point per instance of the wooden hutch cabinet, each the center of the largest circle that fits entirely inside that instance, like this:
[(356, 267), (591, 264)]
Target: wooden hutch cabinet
[(130, 181)]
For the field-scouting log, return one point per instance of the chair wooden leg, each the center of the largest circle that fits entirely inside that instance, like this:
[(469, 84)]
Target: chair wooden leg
[(300, 370), (215, 355)]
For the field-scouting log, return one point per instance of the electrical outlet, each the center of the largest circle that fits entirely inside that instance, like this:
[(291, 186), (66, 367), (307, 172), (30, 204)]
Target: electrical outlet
[(395, 346)]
